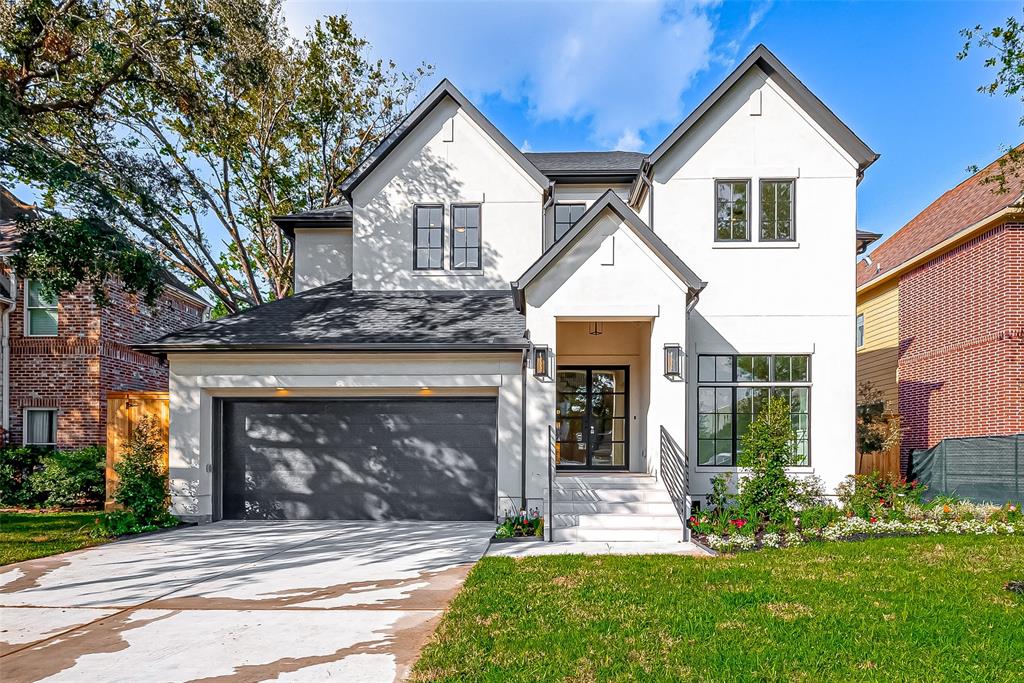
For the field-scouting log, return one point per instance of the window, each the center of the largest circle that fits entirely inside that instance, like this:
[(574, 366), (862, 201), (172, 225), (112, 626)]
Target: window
[(465, 236), (41, 427), (731, 390), (777, 211), (566, 216), (860, 330), (41, 311), (732, 217), (429, 236)]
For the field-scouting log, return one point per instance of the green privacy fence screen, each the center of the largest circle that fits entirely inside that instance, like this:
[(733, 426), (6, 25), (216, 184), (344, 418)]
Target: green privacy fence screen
[(982, 469)]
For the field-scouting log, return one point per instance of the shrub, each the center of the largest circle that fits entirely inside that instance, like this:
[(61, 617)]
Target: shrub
[(819, 517), (142, 486), (767, 451), (70, 478), (522, 524), (878, 495), (721, 496), (16, 468)]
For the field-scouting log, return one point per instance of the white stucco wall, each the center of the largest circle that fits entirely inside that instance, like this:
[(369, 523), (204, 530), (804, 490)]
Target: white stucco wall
[(196, 380), (321, 256), (762, 298), (447, 159), (610, 274)]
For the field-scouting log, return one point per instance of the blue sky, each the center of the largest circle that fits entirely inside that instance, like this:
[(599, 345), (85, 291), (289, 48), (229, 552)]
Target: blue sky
[(595, 75)]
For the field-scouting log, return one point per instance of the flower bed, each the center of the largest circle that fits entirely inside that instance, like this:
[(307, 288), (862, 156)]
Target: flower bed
[(522, 525), (891, 516)]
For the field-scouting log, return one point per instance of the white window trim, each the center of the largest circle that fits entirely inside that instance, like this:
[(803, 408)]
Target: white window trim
[(859, 330), (24, 425), (28, 315)]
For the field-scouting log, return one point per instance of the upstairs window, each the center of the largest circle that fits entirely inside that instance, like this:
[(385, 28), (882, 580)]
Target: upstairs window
[(777, 211), (41, 311), (428, 226), (732, 210), (730, 392), (465, 236), (566, 216), (860, 330)]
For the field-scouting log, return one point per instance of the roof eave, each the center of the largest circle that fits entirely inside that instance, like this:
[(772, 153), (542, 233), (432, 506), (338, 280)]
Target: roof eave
[(158, 349)]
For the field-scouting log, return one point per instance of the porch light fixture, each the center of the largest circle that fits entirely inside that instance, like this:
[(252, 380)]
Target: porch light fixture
[(596, 329), (674, 361), (542, 363)]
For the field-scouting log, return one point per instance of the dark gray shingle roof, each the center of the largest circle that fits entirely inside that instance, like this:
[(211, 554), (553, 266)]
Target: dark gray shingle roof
[(557, 163), (336, 317)]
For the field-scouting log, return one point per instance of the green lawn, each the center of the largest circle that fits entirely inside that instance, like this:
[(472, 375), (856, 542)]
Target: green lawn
[(27, 535), (900, 609)]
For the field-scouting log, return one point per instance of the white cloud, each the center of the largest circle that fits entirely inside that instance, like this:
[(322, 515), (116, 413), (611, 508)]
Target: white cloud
[(619, 68)]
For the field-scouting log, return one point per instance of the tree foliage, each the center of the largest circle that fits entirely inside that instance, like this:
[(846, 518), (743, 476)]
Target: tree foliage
[(768, 449), (877, 430), (188, 124), (1003, 47)]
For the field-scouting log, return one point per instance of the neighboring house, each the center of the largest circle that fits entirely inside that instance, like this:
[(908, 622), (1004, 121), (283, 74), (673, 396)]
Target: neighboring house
[(940, 317), (60, 358), (595, 312)]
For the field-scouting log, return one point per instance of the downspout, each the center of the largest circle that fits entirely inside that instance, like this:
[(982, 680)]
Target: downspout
[(522, 424), (549, 201), (650, 198)]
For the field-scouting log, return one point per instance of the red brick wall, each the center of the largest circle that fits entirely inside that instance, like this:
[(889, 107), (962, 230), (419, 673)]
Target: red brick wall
[(90, 356), (961, 362)]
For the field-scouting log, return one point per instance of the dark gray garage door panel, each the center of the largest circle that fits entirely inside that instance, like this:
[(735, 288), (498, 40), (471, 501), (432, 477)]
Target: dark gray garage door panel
[(430, 459)]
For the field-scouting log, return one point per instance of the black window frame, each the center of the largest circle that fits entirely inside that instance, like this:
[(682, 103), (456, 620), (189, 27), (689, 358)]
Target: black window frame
[(792, 210), (773, 386), (480, 233), (571, 222), (747, 222), (416, 236), (859, 334)]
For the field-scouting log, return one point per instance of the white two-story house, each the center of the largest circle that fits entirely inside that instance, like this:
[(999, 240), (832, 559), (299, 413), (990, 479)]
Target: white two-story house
[(584, 333)]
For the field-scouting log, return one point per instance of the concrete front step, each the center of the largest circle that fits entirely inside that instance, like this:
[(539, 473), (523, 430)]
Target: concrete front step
[(652, 495), (586, 534), (603, 507), (619, 521), (606, 481)]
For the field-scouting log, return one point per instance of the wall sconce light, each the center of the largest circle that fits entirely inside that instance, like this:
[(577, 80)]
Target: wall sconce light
[(674, 361), (542, 363), (596, 329)]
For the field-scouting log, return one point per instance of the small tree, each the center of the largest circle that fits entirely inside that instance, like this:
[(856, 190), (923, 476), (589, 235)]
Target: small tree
[(142, 486), (768, 449)]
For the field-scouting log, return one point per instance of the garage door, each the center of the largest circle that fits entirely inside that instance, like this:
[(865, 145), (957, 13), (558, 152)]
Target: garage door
[(418, 458)]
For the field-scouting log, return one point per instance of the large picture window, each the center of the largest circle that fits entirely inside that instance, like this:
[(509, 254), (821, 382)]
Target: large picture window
[(428, 228), (732, 210), (566, 216), (40, 311), (465, 236), (731, 389), (777, 224)]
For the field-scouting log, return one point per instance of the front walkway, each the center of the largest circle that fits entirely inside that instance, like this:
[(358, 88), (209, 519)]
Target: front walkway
[(237, 601), (535, 548)]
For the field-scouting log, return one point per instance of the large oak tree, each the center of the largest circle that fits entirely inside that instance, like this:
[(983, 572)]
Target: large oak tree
[(184, 125)]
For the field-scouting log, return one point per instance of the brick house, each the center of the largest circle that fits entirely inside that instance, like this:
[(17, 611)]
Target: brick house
[(60, 358), (941, 317)]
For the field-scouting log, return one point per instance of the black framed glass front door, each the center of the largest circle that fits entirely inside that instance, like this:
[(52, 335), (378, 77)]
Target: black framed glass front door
[(591, 418)]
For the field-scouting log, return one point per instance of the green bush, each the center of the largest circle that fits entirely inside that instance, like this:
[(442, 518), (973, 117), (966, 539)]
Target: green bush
[(142, 487), (819, 516), (882, 496), (70, 478), (766, 492), (16, 468)]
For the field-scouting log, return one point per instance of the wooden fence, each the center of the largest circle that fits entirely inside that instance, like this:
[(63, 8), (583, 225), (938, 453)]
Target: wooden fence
[(124, 411), (883, 462)]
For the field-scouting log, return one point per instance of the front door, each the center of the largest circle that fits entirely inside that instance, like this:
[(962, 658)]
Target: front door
[(591, 420)]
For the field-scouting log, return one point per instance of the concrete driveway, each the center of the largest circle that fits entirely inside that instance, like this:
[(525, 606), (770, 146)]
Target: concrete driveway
[(237, 601)]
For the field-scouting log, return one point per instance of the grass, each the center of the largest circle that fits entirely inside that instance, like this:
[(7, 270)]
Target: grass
[(896, 609), (28, 535)]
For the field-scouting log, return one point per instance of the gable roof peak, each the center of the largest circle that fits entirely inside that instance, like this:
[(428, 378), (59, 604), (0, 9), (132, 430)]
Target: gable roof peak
[(444, 89), (765, 60)]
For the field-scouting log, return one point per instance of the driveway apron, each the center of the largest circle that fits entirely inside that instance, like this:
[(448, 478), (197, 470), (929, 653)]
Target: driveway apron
[(237, 601)]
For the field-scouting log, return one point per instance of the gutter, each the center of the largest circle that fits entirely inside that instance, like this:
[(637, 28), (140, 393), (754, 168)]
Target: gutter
[(158, 349)]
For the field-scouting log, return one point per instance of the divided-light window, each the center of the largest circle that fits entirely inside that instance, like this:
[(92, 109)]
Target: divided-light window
[(566, 216), (428, 228), (777, 223), (730, 392), (465, 236), (732, 210)]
